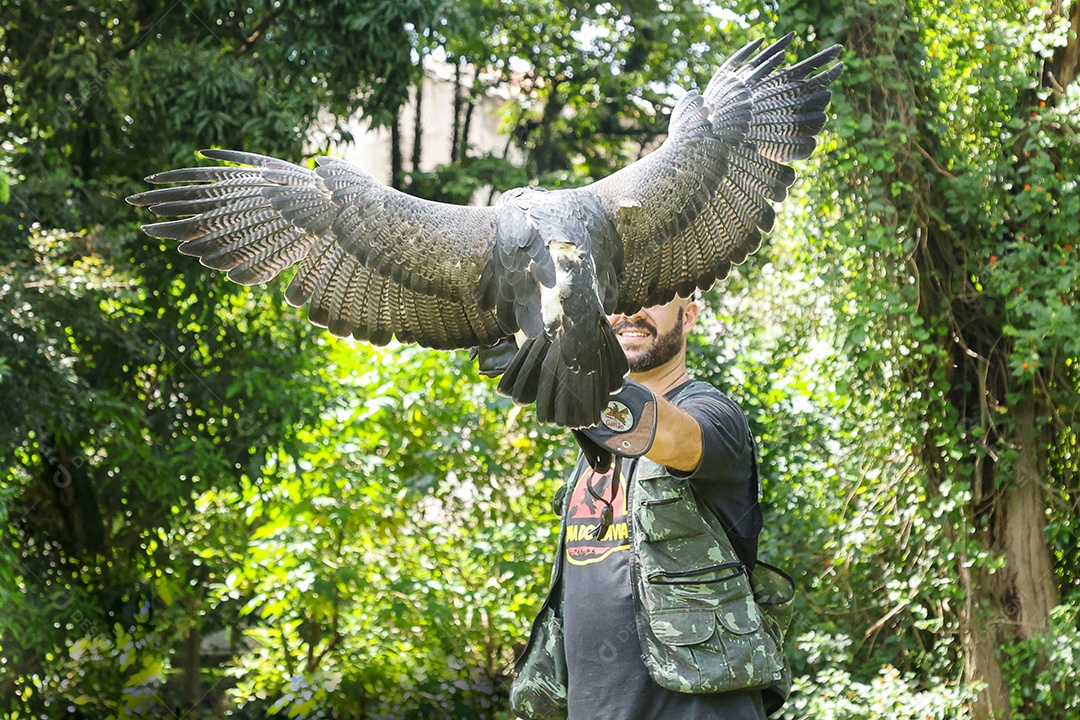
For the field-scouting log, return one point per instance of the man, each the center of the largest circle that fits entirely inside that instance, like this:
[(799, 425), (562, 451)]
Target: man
[(651, 614)]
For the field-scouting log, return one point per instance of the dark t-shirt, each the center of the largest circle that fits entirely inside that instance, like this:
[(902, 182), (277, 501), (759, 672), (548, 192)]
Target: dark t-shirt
[(607, 676)]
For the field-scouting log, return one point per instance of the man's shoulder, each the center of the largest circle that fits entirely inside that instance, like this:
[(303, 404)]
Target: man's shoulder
[(696, 389), (708, 404)]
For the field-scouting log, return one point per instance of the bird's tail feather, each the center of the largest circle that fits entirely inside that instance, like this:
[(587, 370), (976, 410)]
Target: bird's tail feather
[(570, 394)]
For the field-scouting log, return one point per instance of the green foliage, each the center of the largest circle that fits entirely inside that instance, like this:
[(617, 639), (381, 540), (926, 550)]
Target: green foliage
[(1044, 669), (123, 90), (397, 557), (591, 81), (120, 407), (888, 361), (134, 381), (117, 670), (833, 694), (458, 182), (942, 194)]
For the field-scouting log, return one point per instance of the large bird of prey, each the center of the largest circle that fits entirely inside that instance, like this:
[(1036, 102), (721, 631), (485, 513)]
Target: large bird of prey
[(376, 263)]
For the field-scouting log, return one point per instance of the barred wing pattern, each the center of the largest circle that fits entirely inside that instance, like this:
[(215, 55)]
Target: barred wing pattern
[(698, 204), (374, 262)]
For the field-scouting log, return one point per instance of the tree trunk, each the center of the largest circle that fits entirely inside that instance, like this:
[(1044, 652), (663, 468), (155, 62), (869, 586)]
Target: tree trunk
[(191, 667), (395, 152), (1066, 61), (1013, 603), (1007, 506), (1023, 538), (545, 156), (979, 641), (75, 496), (466, 126), (418, 126), (455, 138), (1007, 515)]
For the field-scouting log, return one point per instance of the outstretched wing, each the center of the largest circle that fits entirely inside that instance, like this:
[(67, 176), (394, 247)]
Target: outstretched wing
[(697, 205), (374, 262)]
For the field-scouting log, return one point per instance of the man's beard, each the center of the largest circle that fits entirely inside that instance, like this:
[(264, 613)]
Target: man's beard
[(663, 349)]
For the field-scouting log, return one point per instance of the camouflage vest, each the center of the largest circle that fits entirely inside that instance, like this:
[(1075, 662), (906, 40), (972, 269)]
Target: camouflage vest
[(705, 625)]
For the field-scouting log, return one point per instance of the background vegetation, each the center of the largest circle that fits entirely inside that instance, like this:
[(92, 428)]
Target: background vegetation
[(209, 507)]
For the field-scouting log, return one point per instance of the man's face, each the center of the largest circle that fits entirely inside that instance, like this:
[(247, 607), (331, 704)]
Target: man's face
[(652, 336)]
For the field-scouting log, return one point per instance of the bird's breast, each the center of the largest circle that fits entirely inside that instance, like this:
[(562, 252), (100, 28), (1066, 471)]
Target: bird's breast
[(568, 268)]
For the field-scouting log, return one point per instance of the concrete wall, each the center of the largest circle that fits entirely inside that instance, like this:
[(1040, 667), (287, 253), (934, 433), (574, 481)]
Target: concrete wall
[(371, 147)]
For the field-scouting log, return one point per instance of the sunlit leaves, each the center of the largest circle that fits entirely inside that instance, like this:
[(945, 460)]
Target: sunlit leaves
[(944, 248), (398, 538)]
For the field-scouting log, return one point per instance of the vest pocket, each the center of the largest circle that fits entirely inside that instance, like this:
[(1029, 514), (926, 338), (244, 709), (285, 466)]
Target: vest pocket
[(739, 616), (664, 517), (682, 627), (699, 589), (715, 650), (700, 576), (679, 627)]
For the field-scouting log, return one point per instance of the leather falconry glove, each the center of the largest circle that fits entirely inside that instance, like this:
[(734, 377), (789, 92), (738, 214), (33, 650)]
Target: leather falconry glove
[(493, 360), (627, 427)]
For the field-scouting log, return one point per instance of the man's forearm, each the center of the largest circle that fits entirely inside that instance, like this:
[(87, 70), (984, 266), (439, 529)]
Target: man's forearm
[(678, 438)]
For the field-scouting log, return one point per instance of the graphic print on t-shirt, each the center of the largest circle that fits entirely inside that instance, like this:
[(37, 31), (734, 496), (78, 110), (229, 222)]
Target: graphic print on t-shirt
[(583, 517)]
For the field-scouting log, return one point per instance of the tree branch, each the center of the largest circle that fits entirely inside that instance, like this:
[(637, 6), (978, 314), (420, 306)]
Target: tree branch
[(266, 22), (933, 162)]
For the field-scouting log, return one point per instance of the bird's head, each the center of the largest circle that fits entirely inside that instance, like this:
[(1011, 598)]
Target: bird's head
[(563, 251)]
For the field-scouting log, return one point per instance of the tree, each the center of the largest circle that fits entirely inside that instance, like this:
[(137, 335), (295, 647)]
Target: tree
[(950, 201), (133, 381)]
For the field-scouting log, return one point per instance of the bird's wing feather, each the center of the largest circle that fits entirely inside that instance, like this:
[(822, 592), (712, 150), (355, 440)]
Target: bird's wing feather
[(698, 204), (374, 262)]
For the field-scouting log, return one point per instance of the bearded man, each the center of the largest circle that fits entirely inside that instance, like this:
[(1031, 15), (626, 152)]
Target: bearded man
[(651, 613)]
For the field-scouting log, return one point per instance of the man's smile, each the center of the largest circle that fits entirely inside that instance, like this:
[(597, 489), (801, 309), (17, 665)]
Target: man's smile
[(633, 332)]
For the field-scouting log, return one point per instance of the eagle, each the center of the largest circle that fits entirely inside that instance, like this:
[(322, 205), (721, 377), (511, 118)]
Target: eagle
[(545, 266)]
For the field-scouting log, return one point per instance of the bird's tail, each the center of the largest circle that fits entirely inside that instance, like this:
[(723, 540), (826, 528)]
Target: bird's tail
[(569, 376)]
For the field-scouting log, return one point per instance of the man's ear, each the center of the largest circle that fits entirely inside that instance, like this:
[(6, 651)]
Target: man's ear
[(690, 316)]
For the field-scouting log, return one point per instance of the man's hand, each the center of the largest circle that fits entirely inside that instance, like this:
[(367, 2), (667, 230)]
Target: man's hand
[(627, 427), (494, 360)]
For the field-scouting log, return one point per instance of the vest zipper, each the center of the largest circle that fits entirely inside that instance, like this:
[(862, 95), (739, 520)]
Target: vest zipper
[(694, 573), (663, 501)]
